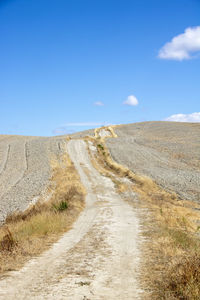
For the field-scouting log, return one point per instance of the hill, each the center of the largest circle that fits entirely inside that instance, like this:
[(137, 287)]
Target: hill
[(168, 152)]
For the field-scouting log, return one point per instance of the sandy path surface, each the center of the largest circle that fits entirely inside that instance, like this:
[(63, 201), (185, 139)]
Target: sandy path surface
[(97, 259)]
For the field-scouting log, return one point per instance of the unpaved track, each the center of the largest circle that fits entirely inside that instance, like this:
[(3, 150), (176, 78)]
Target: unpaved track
[(97, 259)]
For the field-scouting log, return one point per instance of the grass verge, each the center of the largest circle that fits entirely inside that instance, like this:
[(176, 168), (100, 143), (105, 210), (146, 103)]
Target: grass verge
[(27, 234), (171, 264)]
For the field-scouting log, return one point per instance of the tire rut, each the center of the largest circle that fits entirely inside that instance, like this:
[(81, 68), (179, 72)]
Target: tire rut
[(15, 167), (4, 159)]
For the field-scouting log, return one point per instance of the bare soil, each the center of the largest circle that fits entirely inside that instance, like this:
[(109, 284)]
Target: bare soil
[(25, 170), (167, 152)]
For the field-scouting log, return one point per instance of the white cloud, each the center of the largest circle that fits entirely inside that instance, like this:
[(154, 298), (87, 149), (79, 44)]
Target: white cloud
[(183, 45), (98, 103), (131, 100), (193, 118)]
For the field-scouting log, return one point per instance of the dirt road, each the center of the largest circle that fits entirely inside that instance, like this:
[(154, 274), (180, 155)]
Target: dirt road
[(97, 259)]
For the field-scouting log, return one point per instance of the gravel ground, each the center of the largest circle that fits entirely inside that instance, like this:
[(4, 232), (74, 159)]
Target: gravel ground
[(25, 169), (168, 152)]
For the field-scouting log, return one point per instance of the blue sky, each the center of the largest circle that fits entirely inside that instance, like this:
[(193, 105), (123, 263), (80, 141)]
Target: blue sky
[(60, 60)]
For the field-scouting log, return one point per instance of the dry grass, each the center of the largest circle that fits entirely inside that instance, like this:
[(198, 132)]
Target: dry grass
[(173, 247), (28, 233), (182, 281)]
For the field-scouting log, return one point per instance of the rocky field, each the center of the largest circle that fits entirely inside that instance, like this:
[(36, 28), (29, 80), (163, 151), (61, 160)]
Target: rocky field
[(25, 169), (168, 152)]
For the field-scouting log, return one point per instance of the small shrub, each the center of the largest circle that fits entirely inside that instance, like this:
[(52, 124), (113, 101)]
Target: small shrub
[(63, 205), (100, 146), (7, 243)]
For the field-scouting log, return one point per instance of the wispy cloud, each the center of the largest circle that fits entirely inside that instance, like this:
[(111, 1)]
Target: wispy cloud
[(63, 130), (131, 100), (69, 128), (193, 118), (84, 124), (99, 103), (182, 46)]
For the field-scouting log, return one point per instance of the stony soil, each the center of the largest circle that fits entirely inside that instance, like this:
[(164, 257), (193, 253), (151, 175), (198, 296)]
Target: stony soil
[(168, 152), (25, 169)]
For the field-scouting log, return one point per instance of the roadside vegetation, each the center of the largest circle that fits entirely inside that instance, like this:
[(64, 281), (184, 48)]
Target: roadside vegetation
[(171, 266), (173, 246), (26, 234)]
